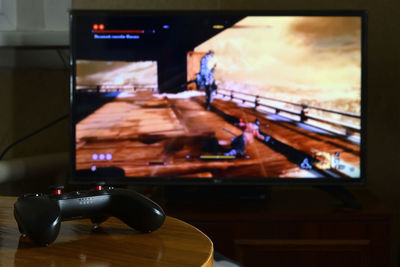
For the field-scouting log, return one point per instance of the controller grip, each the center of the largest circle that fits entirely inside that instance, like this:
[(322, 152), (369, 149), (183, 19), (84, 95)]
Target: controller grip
[(137, 211), (39, 219)]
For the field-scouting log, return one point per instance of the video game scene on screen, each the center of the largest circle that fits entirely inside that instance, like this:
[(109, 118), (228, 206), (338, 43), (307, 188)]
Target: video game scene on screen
[(264, 97)]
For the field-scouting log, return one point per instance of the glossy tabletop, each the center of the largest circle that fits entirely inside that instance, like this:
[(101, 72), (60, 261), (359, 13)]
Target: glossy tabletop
[(176, 243)]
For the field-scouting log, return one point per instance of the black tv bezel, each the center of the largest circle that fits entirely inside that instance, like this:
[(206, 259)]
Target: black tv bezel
[(224, 181)]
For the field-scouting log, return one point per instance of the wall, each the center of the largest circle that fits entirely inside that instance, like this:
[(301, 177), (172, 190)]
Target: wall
[(33, 92), (34, 22), (33, 97)]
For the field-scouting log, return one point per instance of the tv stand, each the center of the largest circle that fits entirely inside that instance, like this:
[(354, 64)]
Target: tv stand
[(296, 226), (343, 195)]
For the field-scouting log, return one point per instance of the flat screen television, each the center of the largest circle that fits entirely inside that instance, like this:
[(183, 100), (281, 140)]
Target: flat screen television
[(218, 97)]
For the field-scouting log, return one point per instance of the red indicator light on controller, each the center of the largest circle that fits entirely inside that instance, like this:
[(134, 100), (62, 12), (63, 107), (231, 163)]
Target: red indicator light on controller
[(96, 27), (57, 192), (101, 27), (98, 188)]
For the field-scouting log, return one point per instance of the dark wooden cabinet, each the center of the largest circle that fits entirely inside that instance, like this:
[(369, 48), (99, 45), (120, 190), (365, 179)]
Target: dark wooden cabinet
[(295, 227)]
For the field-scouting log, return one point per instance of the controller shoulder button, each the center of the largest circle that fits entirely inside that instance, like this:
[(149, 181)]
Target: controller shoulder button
[(31, 195)]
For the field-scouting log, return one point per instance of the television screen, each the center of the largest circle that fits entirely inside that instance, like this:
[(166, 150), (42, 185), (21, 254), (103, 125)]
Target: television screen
[(218, 97)]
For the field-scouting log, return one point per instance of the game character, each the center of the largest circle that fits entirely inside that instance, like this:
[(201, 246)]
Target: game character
[(205, 78), (239, 143)]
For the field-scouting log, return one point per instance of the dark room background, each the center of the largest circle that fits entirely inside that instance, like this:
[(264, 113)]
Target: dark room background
[(31, 97)]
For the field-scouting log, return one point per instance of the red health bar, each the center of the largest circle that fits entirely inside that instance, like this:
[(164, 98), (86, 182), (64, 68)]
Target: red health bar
[(119, 31), (144, 163)]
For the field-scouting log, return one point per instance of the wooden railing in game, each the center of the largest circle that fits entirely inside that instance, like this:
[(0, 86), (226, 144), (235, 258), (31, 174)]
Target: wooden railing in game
[(116, 88), (300, 110)]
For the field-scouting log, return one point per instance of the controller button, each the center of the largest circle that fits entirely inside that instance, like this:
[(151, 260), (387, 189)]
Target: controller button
[(98, 188), (31, 195), (56, 190)]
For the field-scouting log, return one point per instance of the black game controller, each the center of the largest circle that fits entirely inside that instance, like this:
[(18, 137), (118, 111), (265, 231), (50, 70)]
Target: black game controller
[(39, 216)]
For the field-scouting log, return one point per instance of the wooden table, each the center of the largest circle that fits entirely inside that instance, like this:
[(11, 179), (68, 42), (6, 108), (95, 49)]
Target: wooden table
[(176, 243)]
